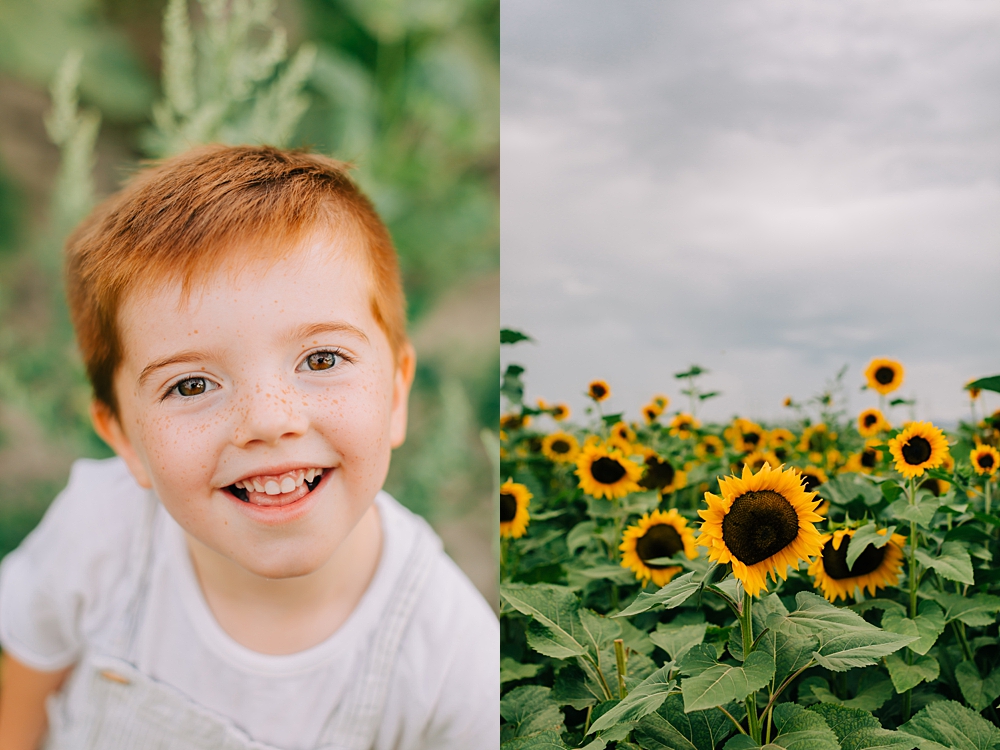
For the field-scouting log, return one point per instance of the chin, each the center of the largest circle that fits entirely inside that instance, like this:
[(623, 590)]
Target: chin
[(283, 566)]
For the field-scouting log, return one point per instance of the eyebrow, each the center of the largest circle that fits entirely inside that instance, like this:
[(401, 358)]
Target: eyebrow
[(296, 334)]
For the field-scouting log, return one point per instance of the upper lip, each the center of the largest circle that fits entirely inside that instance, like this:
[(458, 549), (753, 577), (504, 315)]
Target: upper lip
[(275, 471)]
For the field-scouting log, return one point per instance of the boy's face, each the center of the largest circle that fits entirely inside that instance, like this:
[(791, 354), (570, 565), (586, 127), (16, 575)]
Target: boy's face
[(232, 402)]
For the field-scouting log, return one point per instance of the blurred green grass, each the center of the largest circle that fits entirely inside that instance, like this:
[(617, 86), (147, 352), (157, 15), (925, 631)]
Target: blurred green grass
[(408, 92)]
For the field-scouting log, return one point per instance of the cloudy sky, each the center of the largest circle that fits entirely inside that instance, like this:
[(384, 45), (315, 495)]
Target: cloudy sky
[(769, 189)]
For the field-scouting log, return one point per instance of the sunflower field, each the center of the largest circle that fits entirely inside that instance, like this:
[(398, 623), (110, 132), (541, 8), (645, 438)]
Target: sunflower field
[(823, 583)]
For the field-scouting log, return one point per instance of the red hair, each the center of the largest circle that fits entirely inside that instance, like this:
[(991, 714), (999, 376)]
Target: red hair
[(183, 217)]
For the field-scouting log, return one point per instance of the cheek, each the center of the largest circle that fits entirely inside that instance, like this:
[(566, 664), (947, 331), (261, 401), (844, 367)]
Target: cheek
[(180, 453)]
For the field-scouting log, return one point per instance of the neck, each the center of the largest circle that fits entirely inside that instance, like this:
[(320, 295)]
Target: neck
[(292, 614)]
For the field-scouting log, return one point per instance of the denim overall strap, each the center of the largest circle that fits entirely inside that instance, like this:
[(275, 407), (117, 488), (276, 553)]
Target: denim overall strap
[(354, 724)]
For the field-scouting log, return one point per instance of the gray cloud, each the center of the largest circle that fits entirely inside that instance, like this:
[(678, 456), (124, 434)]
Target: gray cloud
[(771, 189)]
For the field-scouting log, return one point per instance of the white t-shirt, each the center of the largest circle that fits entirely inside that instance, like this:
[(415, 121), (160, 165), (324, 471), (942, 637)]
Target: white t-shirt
[(60, 590)]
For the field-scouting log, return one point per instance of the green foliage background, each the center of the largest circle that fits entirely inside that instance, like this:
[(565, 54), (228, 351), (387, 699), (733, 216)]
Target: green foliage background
[(406, 90)]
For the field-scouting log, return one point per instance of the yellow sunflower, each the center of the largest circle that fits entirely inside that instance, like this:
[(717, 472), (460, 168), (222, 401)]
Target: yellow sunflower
[(662, 475), (709, 447), (788, 403), (920, 446), (604, 471), (813, 440), (865, 461), (746, 436), (560, 412), (514, 499), (655, 535), (560, 447), (514, 421), (875, 568), (780, 437), (762, 523), (598, 390), (623, 432), (651, 412), (661, 401), (937, 487), (757, 459), (871, 423), (683, 425), (985, 459), (884, 375)]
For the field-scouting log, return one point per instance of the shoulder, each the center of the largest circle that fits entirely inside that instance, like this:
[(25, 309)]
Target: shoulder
[(449, 657), (61, 581)]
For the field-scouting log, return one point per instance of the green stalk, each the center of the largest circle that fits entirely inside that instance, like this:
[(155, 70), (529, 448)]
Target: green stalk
[(621, 666), (746, 626), (987, 495), (911, 493)]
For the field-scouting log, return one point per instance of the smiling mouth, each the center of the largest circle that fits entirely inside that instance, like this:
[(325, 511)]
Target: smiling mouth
[(270, 491)]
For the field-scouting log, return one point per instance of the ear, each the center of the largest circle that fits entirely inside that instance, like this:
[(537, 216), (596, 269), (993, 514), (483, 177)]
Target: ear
[(106, 425), (406, 366)]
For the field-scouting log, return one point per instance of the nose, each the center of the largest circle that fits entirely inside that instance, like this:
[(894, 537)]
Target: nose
[(268, 413)]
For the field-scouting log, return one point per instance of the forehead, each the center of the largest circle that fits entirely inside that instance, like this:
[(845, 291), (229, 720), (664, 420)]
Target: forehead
[(321, 277)]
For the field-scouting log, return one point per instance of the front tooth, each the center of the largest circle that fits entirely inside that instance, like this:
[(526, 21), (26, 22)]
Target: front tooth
[(300, 476), (287, 484), (258, 485), (310, 474), (272, 487)]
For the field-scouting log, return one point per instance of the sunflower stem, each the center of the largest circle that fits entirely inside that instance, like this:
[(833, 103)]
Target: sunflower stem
[(911, 496), (746, 627), (621, 665), (986, 495)]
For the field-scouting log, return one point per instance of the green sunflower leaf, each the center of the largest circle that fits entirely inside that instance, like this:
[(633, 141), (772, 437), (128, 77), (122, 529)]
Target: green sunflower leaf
[(978, 611), (859, 730), (801, 729), (953, 563), (876, 691), (597, 631), (722, 683), (672, 595), (927, 626), (510, 336), (907, 676), (922, 512), (947, 724), (669, 728), (511, 670), (844, 489), (573, 688), (846, 640), (550, 739), (529, 710), (554, 612), (978, 692), (862, 538), (642, 700), (991, 383), (677, 640)]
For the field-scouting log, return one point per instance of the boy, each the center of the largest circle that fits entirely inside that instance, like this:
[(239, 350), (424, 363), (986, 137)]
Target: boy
[(235, 578)]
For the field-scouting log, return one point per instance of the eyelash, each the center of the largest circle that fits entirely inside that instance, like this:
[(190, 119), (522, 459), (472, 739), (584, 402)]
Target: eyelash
[(170, 391)]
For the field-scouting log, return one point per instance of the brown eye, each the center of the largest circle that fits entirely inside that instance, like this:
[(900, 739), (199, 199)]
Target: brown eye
[(192, 387), (321, 360)]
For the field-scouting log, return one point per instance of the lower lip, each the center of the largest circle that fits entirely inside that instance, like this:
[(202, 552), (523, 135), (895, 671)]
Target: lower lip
[(275, 515)]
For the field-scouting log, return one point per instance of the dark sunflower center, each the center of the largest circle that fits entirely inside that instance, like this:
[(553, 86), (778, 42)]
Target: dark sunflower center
[(810, 482), (559, 446), (508, 507), (710, 448), (870, 419), (597, 390), (781, 452), (759, 524), (933, 485), (835, 561), (985, 461), (916, 450), (607, 470), (751, 438), (659, 474), (884, 375), (661, 540), (868, 458)]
